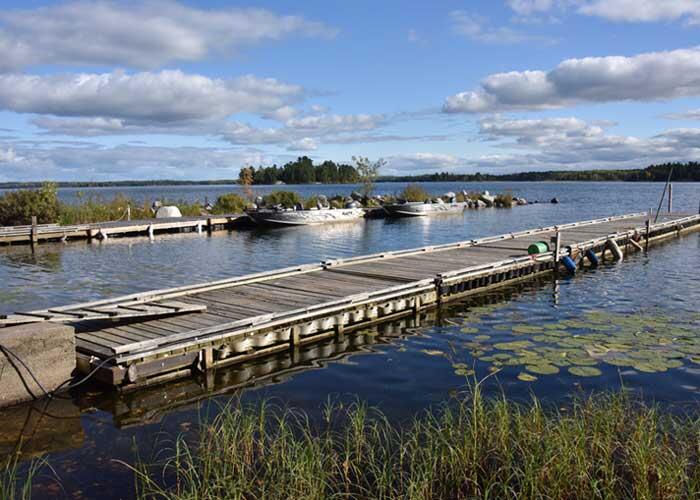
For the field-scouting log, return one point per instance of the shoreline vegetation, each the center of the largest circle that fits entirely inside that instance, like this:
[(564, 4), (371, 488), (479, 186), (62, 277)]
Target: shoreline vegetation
[(603, 446), (324, 174), (18, 207)]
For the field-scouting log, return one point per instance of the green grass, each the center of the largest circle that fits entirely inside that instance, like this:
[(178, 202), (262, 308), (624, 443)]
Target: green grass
[(15, 480), (602, 447)]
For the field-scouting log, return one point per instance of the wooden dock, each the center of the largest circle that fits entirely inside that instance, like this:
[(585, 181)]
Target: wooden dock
[(103, 230), (145, 338)]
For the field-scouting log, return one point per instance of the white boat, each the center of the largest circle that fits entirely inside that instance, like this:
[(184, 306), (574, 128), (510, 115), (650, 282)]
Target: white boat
[(422, 209), (292, 217)]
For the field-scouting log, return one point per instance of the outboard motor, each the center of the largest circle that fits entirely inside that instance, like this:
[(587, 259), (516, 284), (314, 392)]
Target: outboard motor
[(259, 201), (156, 205), (321, 202), (353, 204)]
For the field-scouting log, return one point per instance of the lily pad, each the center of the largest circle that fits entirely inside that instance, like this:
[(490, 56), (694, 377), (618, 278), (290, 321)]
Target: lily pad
[(512, 346), (542, 369), (433, 352), (526, 377), (584, 371)]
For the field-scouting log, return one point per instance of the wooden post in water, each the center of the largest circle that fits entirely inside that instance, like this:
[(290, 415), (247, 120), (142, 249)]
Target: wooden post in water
[(34, 235), (556, 241), (670, 198), (128, 213), (648, 230)]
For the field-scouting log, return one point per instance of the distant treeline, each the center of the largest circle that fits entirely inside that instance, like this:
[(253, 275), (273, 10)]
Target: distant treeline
[(91, 184), (301, 171), (682, 172)]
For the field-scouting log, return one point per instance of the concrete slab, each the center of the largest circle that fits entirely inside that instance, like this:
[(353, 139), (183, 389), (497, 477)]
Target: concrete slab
[(48, 350)]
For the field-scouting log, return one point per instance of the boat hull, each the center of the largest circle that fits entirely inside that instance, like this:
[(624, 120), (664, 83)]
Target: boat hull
[(305, 217), (417, 209)]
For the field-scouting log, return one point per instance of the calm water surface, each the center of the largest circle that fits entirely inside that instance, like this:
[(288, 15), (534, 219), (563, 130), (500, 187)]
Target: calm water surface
[(634, 325)]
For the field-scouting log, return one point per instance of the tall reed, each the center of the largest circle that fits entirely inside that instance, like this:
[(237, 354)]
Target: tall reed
[(601, 447)]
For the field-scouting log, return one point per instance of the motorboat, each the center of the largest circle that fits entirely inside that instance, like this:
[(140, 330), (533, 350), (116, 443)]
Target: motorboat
[(322, 213)]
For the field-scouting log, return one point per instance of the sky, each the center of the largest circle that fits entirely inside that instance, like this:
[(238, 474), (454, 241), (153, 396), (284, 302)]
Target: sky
[(161, 89)]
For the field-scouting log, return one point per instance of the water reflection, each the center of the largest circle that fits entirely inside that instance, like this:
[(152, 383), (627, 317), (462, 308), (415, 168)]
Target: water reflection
[(41, 427)]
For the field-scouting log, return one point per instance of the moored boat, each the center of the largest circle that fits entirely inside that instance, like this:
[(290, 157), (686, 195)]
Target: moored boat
[(421, 209), (298, 216), (292, 217), (428, 207)]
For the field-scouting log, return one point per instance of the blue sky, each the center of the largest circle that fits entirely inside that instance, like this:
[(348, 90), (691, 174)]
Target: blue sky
[(196, 90)]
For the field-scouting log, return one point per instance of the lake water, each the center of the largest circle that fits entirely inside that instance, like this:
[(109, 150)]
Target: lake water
[(634, 325)]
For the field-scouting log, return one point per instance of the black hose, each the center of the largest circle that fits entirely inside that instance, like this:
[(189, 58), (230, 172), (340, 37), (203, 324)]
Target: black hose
[(8, 352), (62, 386)]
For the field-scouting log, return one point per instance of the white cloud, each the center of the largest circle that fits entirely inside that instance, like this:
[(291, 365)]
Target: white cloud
[(423, 162), (692, 114), (476, 27), (528, 7), (573, 143), (138, 34), (8, 156), (644, 77), (305, 144), (336, 123), (643, 10), (162, 97), (130, 162)]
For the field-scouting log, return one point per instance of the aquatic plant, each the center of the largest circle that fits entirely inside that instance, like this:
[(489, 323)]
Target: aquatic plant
[(287, 199), (642, 342), (608, 446), (414, 192), (16, 478), (504, 200), (229, 203)]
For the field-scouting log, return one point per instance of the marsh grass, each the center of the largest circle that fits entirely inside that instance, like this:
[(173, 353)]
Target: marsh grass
[(600, 447), (17, 479)]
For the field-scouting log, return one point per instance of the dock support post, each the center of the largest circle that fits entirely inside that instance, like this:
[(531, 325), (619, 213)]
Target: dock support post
[(670, 198), (150, 231), (210, 226), (295, 336), (648, 231), (128, 213), (34, 234), (199, 227), (556, 242)]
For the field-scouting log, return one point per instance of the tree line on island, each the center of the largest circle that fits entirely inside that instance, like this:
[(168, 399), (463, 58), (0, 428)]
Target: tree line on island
[(682, 172), (304, 171)]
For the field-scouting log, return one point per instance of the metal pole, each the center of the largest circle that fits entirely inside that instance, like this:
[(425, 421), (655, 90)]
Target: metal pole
[(128, 213), (670, 198), (661, 201)]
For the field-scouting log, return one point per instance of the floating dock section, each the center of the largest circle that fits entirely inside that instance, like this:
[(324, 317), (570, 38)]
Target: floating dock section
[(150, 337), (103, 230)]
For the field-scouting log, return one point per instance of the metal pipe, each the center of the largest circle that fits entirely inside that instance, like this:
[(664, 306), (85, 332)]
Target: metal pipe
[(661, 201)]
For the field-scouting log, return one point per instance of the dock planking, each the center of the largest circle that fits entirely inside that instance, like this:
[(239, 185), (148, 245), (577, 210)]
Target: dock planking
[(104, 230), (163, 334)]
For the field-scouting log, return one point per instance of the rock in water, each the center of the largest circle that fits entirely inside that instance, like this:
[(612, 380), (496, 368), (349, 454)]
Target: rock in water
[(555, 200)]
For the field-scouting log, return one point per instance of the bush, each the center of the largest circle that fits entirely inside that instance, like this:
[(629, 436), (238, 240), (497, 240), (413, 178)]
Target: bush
[(18, 207), (287, 199), (414, 192), (229, 203), (95, 209), (504, 200)]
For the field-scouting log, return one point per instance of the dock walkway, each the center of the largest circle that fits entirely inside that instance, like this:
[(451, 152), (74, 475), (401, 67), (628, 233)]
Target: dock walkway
[(103, 230), (149, 337)]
